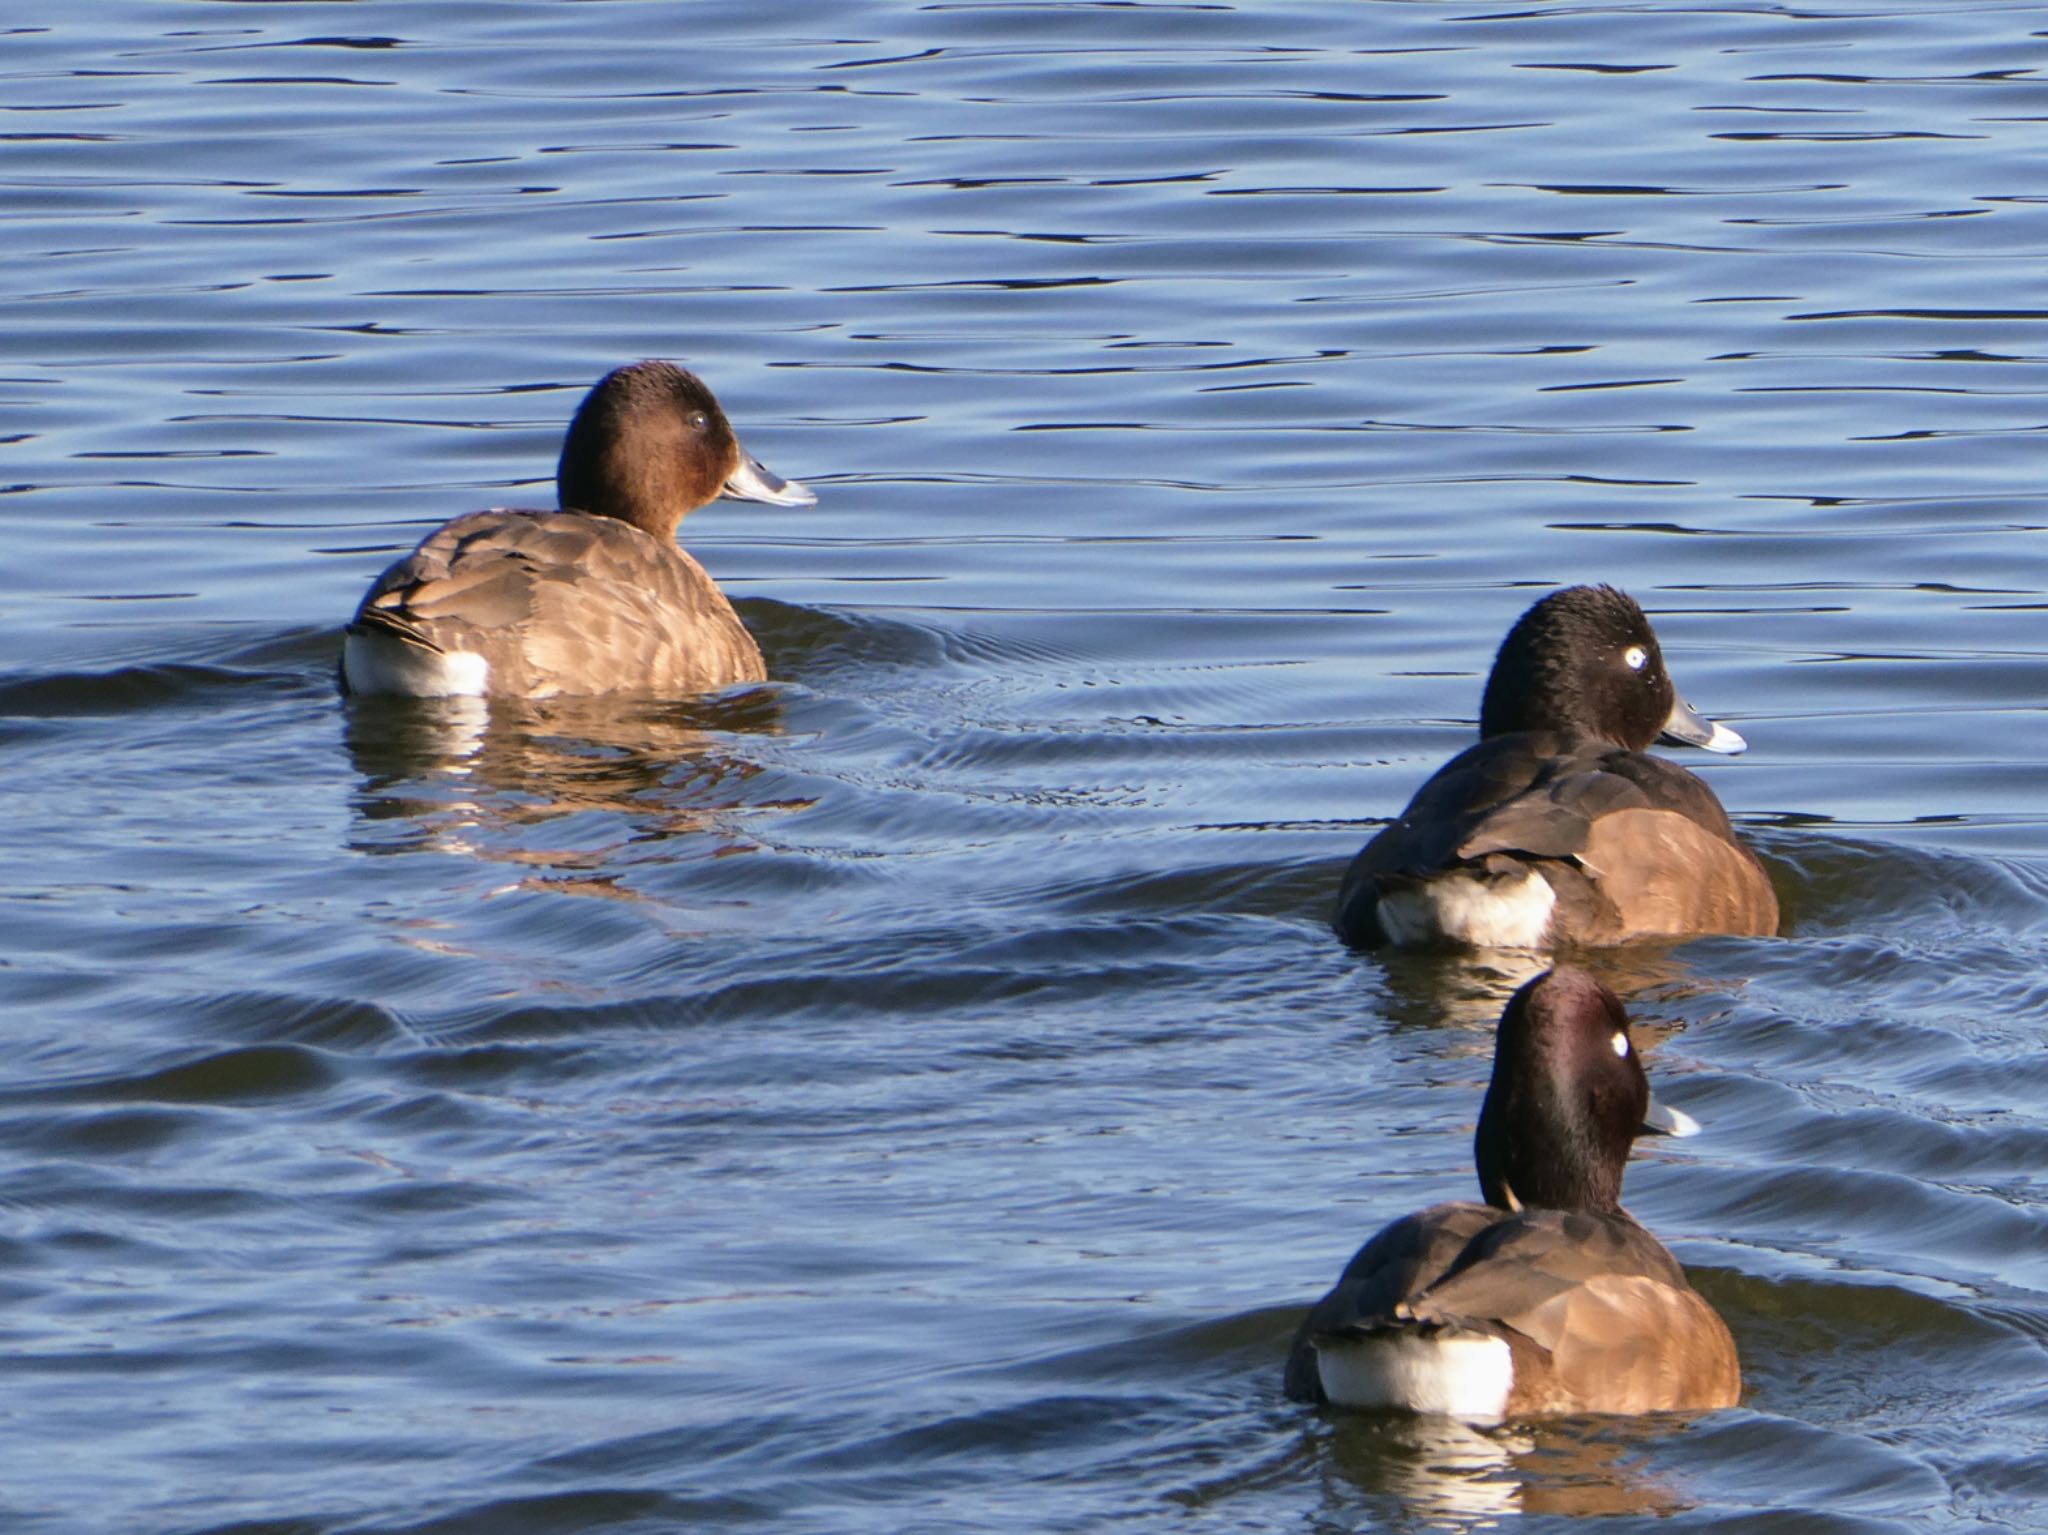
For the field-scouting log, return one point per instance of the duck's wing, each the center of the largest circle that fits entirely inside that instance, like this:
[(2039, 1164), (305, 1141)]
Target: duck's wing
[(563, 603), (1538, 795), (1640, 847), (1597, 1313), (474, 573), (1555, 816), (1632, 845), (1666, 786), (1404, 1259), (1529, 794), (1426, 836)]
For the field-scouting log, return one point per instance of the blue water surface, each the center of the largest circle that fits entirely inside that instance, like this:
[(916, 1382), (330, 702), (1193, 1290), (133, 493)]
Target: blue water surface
[(922, 1093)]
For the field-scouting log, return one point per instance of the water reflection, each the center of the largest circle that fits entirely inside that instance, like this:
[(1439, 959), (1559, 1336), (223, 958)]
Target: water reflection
[(564, 787), (1468, 989), (1449, 1475)]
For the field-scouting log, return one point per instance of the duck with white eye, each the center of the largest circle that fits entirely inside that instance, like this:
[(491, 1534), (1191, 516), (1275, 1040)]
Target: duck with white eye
[(1685, 726), (1549, 1298), (593, 597), (1558, 826)]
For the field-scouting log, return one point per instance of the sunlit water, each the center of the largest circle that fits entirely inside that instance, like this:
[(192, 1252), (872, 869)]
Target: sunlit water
[(922, 1094)]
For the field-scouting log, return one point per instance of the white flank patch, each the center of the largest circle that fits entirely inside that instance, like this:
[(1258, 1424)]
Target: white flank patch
[(375, 664), (1461, 1377), (1463, 908)]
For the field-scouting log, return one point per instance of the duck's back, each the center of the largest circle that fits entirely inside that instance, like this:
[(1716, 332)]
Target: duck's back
[(1592, 1312), (1574, 841), (1599, 1315), (534, 604)]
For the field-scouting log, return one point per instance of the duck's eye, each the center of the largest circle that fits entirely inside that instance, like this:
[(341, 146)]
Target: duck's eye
[(1637, 657), (698, 421), (1620, 1043)]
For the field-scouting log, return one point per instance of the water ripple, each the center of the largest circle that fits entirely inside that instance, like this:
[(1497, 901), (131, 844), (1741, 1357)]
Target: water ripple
[(922, 1092)]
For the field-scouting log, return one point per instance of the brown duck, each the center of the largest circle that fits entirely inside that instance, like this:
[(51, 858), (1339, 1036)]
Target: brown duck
[(1548, 1298), (1558, 827), (594, 597)]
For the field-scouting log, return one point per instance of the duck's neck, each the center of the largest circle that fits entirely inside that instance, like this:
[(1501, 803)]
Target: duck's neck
[(615, 484), (1547, 1171), (1550, 1138)]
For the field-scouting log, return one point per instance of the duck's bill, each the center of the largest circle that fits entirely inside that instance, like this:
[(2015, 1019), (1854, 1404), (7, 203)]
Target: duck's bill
[(1659, 1119), (1688, 727), (755, 481)]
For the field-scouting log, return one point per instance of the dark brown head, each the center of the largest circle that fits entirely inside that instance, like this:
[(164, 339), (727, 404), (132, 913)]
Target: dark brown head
[(650, 444), (1567, 1099), (1584, 661)]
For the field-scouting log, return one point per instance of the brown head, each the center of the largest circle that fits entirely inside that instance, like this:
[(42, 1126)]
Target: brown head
[(649, 445)]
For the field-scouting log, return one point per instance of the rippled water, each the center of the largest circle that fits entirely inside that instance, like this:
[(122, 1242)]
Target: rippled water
[(922, 1093)]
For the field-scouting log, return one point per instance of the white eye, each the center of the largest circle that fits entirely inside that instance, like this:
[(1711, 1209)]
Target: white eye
[(1637, 657), (1620, 1044)]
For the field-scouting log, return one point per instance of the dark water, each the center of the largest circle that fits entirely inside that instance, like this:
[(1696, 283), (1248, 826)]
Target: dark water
[(921, 1094)]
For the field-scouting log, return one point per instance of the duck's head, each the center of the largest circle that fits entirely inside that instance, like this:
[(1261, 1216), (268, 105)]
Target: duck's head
[(1584, 660), (650, 444), (1567, 1099)]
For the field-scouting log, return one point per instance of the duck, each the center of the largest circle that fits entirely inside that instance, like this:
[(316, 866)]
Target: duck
[(1559, 827), (593, 597), (1548, 1299)]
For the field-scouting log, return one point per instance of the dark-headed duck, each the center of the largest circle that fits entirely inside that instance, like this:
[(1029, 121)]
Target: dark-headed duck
[(594, 597), (1548, 1298), (1558, 827)]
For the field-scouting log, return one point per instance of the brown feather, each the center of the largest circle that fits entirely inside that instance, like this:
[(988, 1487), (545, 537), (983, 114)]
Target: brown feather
[(1595, 1312), (1661, 873), (594, 598), (555, 599)]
